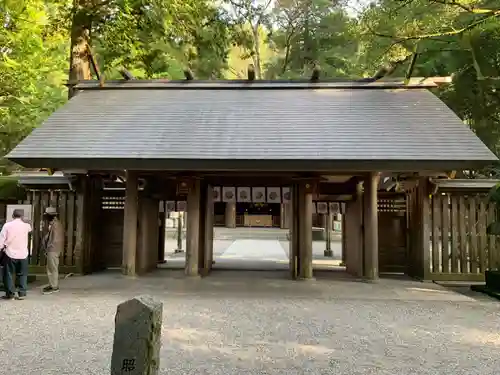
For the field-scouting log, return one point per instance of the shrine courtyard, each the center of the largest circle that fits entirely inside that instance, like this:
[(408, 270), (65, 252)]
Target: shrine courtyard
[(256, 323)]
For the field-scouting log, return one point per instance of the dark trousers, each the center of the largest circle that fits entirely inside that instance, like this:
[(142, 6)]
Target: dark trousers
[(20, 268)]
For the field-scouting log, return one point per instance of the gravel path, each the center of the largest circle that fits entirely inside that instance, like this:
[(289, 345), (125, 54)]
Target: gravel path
[(228, 325)]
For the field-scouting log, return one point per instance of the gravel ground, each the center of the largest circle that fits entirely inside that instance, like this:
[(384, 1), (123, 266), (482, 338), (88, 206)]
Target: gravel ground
[(231, 323)]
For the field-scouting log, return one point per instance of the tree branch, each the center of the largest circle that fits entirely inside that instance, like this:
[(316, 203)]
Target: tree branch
[(467, 8), (399, 39)]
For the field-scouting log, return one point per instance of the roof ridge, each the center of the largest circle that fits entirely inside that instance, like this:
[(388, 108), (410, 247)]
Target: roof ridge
[(253, 85)]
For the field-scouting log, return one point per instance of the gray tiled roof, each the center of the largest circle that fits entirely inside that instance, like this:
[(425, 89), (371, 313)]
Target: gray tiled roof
[(306, 124)]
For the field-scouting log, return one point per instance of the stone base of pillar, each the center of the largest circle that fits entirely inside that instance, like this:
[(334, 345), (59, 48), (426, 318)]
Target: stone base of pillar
[(328, 253)]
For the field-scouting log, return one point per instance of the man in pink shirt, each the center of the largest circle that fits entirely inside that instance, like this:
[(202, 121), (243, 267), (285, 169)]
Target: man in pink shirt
[(14, 242)]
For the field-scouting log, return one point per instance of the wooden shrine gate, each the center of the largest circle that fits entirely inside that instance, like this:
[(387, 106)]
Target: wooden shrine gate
[(110, 233), (392, 233)]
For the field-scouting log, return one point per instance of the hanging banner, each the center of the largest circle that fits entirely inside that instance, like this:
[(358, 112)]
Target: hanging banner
[(273, 195), (170, 206), (244, 194), (181, 206), (229, 194), (334, 208), (259, 195), (216, 196), (322, 207), (285, 194), (342, 208)]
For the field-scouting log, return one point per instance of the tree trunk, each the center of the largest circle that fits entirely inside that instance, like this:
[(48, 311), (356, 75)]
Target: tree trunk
[(256, 56), (307, 37), (79, 61), (287, 53)]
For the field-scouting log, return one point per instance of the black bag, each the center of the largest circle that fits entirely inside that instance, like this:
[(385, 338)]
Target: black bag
[(3, 257)]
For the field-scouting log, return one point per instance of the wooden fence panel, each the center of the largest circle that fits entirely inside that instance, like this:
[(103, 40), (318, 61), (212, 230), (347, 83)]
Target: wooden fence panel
[(461, 249), (473, 237), (445, 234), (454, 234), (483, 220), (65, 203), (436, 232), (463, 236)]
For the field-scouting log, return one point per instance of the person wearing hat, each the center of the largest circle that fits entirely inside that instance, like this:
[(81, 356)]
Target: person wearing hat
[(14, 248), (53, 243)]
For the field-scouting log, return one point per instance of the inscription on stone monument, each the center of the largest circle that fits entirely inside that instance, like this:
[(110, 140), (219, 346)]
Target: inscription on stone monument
[(137, 340)]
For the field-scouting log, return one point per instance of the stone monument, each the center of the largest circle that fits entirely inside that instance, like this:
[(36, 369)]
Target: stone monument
[(137, 340)]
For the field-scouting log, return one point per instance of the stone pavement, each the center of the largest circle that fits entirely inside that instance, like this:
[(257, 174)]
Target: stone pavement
[(254, 323), (240, 251), (255, 254), (266, 250)]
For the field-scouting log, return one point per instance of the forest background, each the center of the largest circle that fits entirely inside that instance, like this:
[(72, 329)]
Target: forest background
[(45, 43)]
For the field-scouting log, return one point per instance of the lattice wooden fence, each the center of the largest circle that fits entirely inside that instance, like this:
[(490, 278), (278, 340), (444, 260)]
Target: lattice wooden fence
[(460, 248)]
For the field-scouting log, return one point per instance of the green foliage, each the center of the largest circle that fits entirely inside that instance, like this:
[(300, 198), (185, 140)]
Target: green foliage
[(31, 70), (160, 38), (313, 32), (10, 189), (459, 38), (281, 38)]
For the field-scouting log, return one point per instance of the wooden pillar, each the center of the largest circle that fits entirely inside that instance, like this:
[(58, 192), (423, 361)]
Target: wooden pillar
[(424, 228), (161, 232), (343, 234), (193, 229), (305, 209), (328, 235), (285, 215), (147, 246), (202, 234), (294, 256), (130, 224), (353, 238), (97, 261), (208, 230), (370, 220), (322, 219), (81, 206), (230, 216)]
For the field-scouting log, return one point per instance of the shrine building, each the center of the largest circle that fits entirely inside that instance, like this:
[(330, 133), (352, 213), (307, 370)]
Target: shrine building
[(241, 153)]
